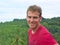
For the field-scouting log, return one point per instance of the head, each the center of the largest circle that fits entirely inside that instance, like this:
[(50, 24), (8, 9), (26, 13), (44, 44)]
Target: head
[(34, 16)]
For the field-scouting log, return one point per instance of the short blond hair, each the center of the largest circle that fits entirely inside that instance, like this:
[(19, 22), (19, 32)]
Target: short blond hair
[(35, 8)]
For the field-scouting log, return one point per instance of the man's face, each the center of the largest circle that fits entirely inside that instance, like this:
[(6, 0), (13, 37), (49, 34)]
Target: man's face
[(33, 19)]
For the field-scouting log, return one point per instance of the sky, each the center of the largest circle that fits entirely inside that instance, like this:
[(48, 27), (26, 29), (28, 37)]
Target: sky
[(16, 9)]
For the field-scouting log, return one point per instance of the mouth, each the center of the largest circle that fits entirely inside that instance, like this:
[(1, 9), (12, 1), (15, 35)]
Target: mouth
[(32, 24)]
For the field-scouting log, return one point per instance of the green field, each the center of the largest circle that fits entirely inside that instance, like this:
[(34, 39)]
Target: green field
[(15, 32)]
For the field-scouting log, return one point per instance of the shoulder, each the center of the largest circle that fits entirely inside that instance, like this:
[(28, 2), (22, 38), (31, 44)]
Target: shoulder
[(47, 36), (45, 33), (29, 31), (44, 30)]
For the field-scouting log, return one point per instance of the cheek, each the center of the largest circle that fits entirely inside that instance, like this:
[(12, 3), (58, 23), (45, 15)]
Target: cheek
[(36, 21), (28, 20)]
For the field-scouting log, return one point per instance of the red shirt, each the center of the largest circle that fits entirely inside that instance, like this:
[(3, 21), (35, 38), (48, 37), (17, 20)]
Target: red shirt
[(41, 37)]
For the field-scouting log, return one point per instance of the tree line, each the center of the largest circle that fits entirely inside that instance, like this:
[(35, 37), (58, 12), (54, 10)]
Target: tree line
[(15, 32)]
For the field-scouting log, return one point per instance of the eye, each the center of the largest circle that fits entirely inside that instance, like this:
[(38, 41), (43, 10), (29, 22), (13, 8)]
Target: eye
[(29, 16), (35, 17)]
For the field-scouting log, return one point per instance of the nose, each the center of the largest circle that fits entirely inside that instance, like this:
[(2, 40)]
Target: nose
[(31, 19)]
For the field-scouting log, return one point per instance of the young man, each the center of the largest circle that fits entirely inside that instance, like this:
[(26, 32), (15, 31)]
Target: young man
[(38, 34)]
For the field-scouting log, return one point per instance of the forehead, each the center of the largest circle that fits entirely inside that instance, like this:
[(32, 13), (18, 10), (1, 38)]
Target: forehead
[(33, 13)]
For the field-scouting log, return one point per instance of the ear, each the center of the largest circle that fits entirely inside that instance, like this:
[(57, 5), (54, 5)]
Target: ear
[(40, 18)]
